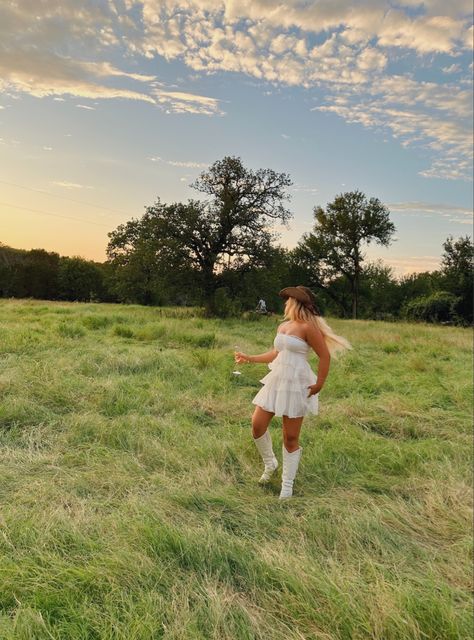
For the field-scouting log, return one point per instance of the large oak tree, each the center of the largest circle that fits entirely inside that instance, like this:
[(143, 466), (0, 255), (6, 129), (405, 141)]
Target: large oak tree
[(232, 228)]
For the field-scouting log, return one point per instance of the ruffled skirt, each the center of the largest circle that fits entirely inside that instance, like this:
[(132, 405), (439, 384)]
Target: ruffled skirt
[(285, 388)]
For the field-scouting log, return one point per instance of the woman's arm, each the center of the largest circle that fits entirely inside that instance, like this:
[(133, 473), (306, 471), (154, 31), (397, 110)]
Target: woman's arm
[(316, 341), (269, 356)]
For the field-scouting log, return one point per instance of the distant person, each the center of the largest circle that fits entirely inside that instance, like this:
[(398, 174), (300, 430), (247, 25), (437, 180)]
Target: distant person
[(291, 388), (261, 306)]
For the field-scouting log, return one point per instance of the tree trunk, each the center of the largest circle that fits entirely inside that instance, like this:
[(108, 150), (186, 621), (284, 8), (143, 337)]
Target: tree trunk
[(355, 286)]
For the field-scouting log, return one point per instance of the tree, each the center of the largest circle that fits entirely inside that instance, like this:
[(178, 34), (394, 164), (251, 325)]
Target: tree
[(416, 285), (379, 291), (457, 270), (340, 232), (79, 279), (310, 269), (260, 282), (28, 274), (232, 229)]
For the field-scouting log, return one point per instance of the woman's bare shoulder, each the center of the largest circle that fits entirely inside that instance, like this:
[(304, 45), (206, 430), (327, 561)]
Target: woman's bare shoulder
[(312, 329)]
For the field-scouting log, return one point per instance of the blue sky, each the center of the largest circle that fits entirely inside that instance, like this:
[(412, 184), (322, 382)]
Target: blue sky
[(107, 105)]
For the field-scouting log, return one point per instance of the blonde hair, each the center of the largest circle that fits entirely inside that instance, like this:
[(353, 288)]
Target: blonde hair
[(295, 310)]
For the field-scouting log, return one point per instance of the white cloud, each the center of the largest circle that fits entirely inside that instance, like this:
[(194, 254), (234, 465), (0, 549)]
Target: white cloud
[(181, 102), (453, 213), (180, 163), (46, 51), (452, 68), (302, 188), (425, 34), (70, 185), (461, 221), (433, 117)]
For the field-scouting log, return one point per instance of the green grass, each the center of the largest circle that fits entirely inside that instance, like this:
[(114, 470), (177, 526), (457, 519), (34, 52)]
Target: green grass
[(130, 503)]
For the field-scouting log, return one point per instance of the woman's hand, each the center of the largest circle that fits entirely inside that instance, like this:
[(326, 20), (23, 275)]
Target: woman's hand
[(241, 357), (313, 390)]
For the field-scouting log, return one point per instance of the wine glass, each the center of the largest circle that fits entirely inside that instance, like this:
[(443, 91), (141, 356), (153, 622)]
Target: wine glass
[(236, 372)]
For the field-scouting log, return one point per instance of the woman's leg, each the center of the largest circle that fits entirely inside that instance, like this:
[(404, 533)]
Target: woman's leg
[(263, 442), (260, 421), (291, 454), (291, 432)]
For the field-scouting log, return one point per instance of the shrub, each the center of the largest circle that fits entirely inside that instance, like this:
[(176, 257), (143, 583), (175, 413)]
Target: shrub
[(436, 307), (223, 305)]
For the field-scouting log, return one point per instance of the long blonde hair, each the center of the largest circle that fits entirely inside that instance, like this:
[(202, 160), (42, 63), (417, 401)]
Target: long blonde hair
[(295, 310)]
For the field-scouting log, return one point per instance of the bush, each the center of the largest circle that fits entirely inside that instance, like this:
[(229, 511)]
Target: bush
[(437, 307), (223, 305)]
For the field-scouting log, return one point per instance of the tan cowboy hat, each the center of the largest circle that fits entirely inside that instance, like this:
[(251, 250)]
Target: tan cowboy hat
[(302, 294)]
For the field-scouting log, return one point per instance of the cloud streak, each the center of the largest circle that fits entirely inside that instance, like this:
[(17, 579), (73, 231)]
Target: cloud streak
[(181, 163), (457, 215)]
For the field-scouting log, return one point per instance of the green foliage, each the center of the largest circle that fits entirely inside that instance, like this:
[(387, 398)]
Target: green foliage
[(96, 322), (251, 316), (151, 332), (123, 332), (379, 292), (41, 274), (437, 307), (334, 248), (144, 269), (205, 340), (223, 306), (26, 274), (457, 272), (79, 279), (70, 330), (188, 247)]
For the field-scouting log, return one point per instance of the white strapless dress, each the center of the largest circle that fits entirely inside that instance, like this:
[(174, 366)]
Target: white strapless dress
[(285, 388)]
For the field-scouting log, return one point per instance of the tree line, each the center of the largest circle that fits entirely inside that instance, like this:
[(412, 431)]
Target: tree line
[(221, 252)]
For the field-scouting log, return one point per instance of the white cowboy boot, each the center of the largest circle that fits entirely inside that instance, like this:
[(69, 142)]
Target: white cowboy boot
[(264, 445), (290, 467)]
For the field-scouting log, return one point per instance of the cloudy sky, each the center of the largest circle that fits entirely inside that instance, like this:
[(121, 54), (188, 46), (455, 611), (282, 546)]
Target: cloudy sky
[(107, 104)]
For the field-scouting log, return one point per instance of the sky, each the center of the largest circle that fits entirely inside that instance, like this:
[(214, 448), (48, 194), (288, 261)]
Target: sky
[(107, 105)]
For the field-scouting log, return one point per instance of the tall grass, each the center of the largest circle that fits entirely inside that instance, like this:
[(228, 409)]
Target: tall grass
[(130, 507)]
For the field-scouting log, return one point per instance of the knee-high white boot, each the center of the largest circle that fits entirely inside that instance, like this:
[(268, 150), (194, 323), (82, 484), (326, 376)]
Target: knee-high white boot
[(290, 467), (264, 445)]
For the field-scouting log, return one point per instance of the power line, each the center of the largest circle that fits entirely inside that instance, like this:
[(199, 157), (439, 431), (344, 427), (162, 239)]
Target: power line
[(55, 215), (54, 195)]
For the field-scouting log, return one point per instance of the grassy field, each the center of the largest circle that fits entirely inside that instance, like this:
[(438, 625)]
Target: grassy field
[(130, 508)]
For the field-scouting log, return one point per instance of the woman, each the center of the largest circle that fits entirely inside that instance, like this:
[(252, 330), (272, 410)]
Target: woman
[(291, 388)]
